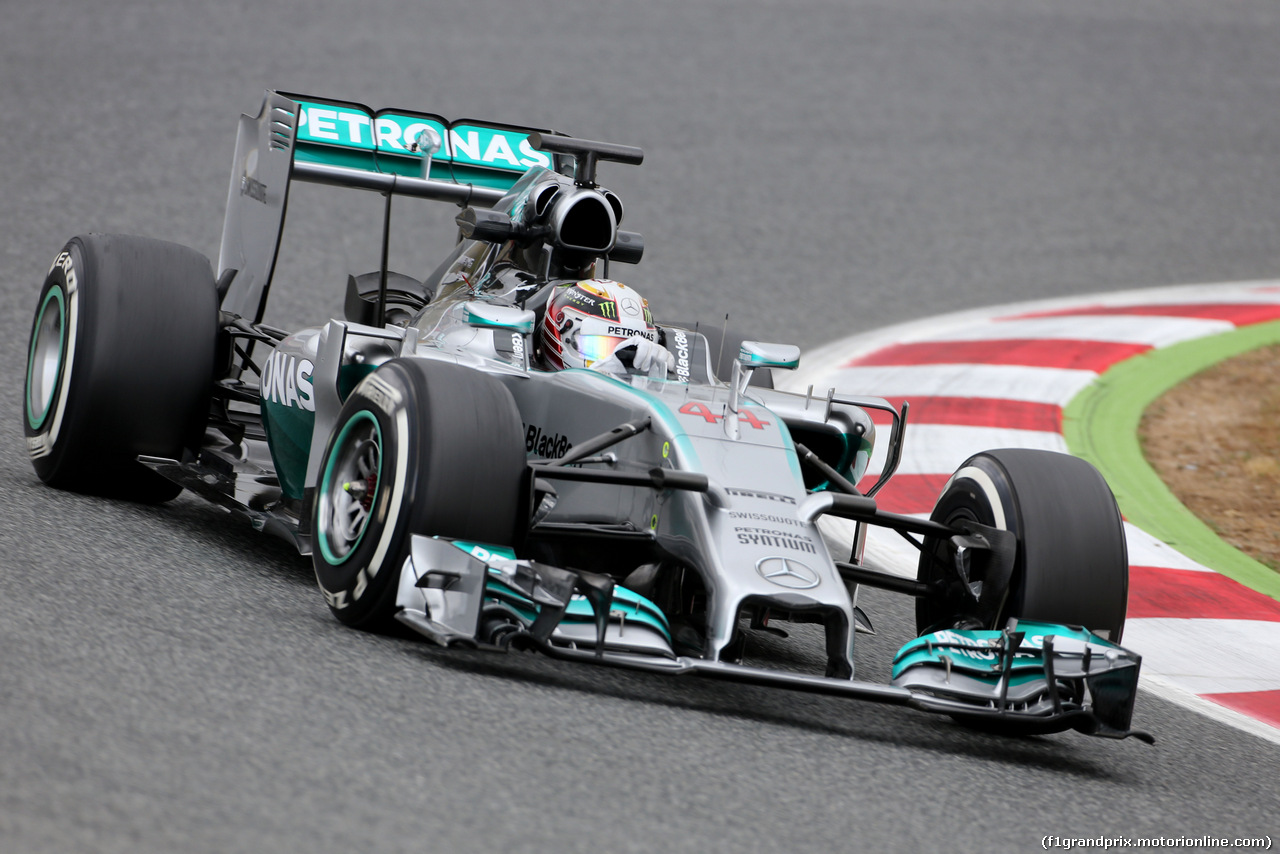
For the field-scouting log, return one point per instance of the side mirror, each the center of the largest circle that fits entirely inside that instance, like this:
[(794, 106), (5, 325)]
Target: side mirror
[(487, 316), (757, 354), (481, 224), (752, 355)]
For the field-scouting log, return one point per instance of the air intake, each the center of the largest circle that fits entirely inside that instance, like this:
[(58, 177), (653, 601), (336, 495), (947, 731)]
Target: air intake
[(584, 222)]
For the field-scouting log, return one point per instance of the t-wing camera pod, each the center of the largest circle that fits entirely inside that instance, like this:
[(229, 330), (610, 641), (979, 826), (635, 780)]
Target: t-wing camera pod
[(586, 154)]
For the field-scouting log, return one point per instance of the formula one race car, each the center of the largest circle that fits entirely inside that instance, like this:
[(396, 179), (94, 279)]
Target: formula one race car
[(441, 473)]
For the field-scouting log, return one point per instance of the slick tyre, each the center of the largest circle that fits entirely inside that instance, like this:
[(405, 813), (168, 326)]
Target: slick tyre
[(420, 447), (1072, 564), (120, 363)]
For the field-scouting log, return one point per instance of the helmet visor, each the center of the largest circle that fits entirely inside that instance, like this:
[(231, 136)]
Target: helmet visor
[(597, 348)]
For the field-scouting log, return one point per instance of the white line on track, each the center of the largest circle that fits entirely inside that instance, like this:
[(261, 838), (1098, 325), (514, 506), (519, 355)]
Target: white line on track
[(1174, 649), (1010, 382), (1167, 690), (1146, 550), (1118, 329)]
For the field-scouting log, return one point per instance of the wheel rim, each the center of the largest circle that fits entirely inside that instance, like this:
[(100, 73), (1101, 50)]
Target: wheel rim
[(349, 487), (952, 605), (44, 361)]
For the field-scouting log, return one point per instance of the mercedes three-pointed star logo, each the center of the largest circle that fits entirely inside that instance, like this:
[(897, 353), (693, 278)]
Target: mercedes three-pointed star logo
[(785, 572)]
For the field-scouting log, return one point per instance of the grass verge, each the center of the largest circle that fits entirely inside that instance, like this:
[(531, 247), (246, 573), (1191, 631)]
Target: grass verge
[(1101, 425)]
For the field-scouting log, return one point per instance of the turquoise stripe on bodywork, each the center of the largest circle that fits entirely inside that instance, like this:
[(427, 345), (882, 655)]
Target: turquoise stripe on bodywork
[(752, 360), (789, 446), (657, 407), (350, 376), (474, 318)]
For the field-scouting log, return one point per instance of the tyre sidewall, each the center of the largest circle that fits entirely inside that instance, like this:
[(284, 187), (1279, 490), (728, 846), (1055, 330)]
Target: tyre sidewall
[(44, 431), (357, 586), (453, 465), (135, 370)]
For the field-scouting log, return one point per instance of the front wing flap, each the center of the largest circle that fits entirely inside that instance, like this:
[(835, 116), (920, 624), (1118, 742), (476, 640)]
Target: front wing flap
[(1045, 676), (456, 592)]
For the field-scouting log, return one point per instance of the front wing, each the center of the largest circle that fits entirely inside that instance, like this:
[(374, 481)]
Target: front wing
[(1030, 678)]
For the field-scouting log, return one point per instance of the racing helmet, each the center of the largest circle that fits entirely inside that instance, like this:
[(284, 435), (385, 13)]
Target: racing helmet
[(586, 321)]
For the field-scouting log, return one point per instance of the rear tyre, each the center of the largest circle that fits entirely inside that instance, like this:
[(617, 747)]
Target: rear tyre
[(1072, 564), (420, 447), (120, 364)]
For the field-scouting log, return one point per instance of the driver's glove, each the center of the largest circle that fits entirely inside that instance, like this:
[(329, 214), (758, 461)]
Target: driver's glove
[(637, 354)]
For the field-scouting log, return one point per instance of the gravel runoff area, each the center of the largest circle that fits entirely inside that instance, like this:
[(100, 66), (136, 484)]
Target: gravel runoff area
[(1215, 442)]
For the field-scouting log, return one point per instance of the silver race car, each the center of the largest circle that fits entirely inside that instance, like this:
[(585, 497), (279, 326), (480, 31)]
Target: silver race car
[(510, 452)]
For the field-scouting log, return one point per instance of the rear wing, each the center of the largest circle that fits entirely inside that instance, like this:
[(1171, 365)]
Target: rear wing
[(345, 144), (340, 133)]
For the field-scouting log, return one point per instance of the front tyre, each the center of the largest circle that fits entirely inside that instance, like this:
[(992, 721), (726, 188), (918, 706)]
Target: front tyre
[(420, 447), (120, 363), (1072, 564)]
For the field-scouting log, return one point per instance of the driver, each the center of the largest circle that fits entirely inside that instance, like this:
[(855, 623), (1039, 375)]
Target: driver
[(603, 325)]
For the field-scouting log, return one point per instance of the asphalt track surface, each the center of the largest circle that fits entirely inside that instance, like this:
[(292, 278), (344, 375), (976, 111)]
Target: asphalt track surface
[(171, 681)]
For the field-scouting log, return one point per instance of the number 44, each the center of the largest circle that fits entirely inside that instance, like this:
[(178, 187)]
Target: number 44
[(701, 410)]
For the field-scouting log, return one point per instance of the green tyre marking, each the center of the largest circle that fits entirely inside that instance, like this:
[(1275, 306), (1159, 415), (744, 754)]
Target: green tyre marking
[(1100, 424), (48, 381), (327, 486)]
